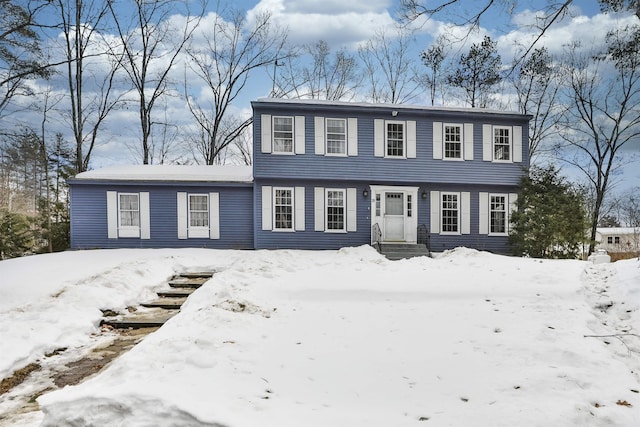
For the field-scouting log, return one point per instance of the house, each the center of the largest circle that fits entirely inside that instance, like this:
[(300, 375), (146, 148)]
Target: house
[(325, 175), (619, 240)]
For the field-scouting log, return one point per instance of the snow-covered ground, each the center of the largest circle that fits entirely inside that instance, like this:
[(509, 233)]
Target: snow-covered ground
[(336, 338)]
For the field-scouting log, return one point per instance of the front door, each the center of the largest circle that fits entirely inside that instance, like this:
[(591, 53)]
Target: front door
[(394, 213), (393, 217)]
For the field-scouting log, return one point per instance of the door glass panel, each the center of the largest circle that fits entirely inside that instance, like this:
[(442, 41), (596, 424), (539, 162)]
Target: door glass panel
[(394, 204)]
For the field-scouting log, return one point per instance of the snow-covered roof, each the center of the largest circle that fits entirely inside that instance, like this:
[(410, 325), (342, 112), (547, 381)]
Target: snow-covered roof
[(225, 173), (617, 230)]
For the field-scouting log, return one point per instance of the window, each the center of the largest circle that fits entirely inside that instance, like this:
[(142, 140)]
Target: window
[(497, 214), (610, 240), (378, 204), (409, 206), (335, 210), (450, 212), (501, 143), (395, 139), (283, 134), (613, 240), (198, 210), (452, 142), (337, 136), (129, 210), (283, 208)]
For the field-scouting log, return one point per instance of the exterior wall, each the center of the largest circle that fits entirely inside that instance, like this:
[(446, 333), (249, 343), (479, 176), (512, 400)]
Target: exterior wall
[(89, 228), (623, 240), (365, 169)]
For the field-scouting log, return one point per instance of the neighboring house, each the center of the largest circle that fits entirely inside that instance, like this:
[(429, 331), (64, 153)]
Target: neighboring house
[(618, 239), (325, 175)]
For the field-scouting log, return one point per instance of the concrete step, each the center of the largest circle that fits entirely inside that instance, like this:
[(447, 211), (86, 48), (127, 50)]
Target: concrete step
[(165, 303), (139, 321), (396, 251), (187, 283), (176, 293), (196, 274)]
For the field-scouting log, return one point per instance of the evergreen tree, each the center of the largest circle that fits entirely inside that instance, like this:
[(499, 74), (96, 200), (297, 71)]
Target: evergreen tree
[(551, 220), (16, 237)]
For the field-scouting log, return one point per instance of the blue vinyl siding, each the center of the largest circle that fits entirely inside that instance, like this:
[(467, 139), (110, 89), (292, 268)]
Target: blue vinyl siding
[(89, 216), (423, 168)]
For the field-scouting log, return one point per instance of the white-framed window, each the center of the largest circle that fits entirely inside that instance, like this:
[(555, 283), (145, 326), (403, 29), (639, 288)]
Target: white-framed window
[(450, 213), (128, 210), (283, 209), (395, 139), (336, 209), (502, 143), (128, 215), (283, 135), (198, 215), (378, 204), (498, 214), (336, 131), (452, 135)]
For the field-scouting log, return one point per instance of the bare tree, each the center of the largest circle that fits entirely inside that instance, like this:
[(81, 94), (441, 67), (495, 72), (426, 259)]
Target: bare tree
[(230, 51), (478, 72), (537, 84), (151, 45), (313, 71), (20, 54), (604, 115), (390, 67), (434, 59), (87, 65)]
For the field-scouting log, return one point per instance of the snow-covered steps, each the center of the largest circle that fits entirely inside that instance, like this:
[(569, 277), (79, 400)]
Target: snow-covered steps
[(396, 251), (155, 313)]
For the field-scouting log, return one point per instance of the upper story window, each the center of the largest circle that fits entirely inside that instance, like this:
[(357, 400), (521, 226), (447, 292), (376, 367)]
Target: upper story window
[(395, 137), (450, 209), (453, 142), (498, 214), (282, 134), (129, 210), (502, 143), (337, 136)]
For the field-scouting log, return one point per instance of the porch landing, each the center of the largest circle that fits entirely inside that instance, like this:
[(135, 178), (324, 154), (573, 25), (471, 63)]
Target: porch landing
[(396, 251)]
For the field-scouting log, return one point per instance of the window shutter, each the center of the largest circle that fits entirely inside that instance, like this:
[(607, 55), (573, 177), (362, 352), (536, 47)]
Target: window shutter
[(352, 136), (299, 206), (468, 141), (465, 201), (378, 137), (182, 215), (214, 216), (145, 216), (487, 143), (299, 135), (318, 207), (318, 128), (435, 212), (411, 139), (513, 207), (265, 133), (267, 222), (352, 215), (112, 214), (517, 144), (484, 213), (437, 140)]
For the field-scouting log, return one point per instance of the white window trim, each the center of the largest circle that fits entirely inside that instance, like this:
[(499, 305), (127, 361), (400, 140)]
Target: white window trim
[(293, 210), (293, 136), (444, 143), (386, 140), (129, 230), (459, 209), (326, 137), (344, 210), (493, 144), (506, 214), (197, 231)]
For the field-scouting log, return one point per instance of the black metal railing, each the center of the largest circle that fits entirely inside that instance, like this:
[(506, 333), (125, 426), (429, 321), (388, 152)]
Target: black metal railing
[(376, 236), (423, 235)]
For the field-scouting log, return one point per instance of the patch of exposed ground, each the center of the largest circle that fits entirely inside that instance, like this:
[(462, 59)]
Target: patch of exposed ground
[(60, 368)]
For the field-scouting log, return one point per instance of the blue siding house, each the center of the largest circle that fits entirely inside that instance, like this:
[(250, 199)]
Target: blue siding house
[(325, 175)]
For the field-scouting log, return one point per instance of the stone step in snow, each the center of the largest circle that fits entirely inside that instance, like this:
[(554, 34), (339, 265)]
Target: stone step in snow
[(165, 303), (176, 293), (139, 321)]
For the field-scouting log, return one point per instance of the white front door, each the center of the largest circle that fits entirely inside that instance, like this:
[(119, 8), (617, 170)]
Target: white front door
[(394, 213), (394, 217)]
